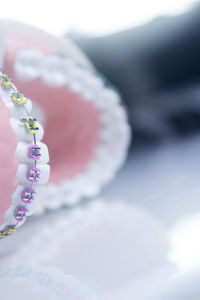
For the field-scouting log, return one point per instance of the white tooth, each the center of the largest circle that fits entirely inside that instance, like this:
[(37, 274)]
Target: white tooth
[(100, 103), (108, 100), (82, 75), (105, 118), (20, 111), (106, 134), (68, 64), (94, 169), (16, 110), (21, 133), (28, 63), (10, 105), (67, 68), (111, 96), (76, 73), (75, 85), (16, 196), (22, 172), (21, 153), (32, 208), (96, 83), (105, 158), (52, 72), (10, 217), (120, 113), (45, 172), (17, 200), (88, 94), (39, 113)]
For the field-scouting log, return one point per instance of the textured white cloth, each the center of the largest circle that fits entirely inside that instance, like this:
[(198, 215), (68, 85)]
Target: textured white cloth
[(104, 245), (34, 282)]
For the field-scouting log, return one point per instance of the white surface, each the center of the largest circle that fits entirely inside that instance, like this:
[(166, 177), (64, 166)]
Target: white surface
[(163, 179), (183, 288)]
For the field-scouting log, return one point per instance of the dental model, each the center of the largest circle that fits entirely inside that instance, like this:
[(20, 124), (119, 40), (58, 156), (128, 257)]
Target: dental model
[(85, 123), (23, 160)]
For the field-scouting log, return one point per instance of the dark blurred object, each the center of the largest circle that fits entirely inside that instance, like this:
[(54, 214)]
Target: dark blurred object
[(156, 67)]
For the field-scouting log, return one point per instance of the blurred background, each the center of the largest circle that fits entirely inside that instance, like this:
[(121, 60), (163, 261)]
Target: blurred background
[(90, 17), (150, 52)]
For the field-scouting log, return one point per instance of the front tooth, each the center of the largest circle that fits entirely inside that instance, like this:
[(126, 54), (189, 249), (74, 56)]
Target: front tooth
[(17, 198), (20, 111), (16, 110), (21, 132), (41, 174), (23, 155), (11, 219), (17, 195)]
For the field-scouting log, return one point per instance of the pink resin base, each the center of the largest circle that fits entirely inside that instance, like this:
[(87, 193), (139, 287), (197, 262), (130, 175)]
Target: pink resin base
[(8, 162), (72, 124)]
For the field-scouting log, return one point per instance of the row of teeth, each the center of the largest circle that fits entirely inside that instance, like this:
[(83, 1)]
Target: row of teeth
[(32, 155), (57, 71)]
